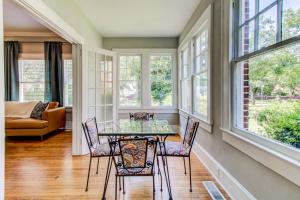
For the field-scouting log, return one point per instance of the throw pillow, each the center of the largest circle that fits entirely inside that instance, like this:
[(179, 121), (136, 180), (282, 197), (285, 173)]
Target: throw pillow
[(38, 110)]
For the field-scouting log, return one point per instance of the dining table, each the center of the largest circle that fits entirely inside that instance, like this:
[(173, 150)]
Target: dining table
[(139, 128)]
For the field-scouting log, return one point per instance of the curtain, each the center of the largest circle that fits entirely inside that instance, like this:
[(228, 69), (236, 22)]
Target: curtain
[(11, 70), (54, 72)]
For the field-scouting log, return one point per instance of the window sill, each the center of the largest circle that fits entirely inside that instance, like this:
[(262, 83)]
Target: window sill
[(278, 162), (163, 110), (202, 123)]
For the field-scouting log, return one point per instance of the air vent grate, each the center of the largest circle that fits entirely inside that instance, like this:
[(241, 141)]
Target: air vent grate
[(213, 191)]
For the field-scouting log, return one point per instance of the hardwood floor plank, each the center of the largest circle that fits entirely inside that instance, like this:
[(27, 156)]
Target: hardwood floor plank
[(47, 170)]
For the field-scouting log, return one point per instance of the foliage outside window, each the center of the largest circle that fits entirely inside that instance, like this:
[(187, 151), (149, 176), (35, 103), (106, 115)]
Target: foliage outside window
[(130, 80), (267, 86), (161, 80)]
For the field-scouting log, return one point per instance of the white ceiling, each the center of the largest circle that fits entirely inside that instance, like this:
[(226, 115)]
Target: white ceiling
[(138, 18), (16, 19)]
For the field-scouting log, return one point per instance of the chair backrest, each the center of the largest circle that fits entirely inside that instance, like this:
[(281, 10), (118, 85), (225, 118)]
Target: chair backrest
[(190, 132), (136, 153), (91, 132), (141, 116)]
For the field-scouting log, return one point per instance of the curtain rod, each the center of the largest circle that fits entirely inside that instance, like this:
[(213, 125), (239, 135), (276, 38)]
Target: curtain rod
[(40, 42)]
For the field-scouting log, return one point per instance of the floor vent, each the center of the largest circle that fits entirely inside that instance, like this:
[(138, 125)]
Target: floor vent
[(213, 191)]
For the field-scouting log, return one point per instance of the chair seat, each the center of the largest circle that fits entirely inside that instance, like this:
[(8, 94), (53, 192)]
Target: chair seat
[(103, 149), (134, 171), (173, 149)]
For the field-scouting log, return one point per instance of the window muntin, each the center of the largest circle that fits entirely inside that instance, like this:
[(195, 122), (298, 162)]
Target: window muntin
[(130, 80), (161, 80), (68, 82), (266, 85), (32, 80), (200, 81), (263, 23)]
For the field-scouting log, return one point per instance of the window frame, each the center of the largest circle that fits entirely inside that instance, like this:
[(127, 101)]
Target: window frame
[(146, 83), (205, 27), (276, 146), (204, 22)]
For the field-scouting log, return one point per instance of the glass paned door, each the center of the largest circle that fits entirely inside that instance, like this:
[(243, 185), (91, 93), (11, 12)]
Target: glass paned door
[(102, 85)]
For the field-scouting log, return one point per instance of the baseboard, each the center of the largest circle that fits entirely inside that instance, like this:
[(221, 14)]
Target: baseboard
[(234, 189)]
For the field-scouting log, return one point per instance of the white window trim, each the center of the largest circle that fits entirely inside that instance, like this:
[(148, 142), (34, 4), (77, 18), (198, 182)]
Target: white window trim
[(145, 85), (278, 157), (205, 20)]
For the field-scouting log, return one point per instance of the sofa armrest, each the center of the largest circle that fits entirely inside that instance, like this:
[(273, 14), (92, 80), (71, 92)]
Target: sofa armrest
[(56, 118)]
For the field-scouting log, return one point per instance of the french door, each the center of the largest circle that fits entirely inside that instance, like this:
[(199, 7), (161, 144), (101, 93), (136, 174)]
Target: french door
[(102, 85)]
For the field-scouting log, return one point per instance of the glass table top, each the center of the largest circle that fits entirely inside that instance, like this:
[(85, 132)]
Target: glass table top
[(132, 127)]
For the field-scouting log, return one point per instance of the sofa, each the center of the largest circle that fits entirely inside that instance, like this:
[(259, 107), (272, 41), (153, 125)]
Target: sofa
[(19, 123)]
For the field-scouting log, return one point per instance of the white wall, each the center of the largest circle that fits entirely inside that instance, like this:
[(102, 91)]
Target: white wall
[(260, 181), (71, 14)]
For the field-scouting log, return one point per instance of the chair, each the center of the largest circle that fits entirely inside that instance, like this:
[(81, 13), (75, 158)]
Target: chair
[(141, 116), (181, 149), (96, 148), (137, 156)]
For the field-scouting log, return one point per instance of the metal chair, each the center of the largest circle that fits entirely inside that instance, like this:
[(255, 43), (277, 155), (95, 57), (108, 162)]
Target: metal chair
[(97, 149), (181, 149), (137, 156), (141, 116)]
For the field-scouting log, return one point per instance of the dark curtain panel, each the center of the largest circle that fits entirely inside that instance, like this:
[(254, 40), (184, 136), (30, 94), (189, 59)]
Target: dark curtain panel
[(11, 70), (54, 72)]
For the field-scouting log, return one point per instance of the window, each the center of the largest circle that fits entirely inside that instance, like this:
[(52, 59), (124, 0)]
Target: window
[(146, 79), (266, 81), (68, 94), (185, 80), (130, 80), (32, 80), (161, 80), (201, 75)]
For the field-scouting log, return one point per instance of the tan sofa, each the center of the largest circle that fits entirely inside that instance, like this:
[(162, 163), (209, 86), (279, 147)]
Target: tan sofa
[(52, 119)]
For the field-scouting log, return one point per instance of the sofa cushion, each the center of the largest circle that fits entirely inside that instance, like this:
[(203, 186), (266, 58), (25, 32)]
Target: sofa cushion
[(38, 110), (16, 109), (28, 123)]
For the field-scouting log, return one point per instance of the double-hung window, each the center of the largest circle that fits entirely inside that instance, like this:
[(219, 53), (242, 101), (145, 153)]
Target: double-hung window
[(266, 71), (32, 80), (201, 75), (195, 67), (185, 80), (146, 79)]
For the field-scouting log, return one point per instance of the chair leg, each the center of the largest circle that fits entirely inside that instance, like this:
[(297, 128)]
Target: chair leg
[(153, 186), (88, 176), (159, 172), (123, 185), (116, 188), (190, 174), (184, 165), (120, 183), (97, 166)]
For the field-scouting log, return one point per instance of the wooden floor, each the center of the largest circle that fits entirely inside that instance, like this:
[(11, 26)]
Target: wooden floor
[(46, 170)]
